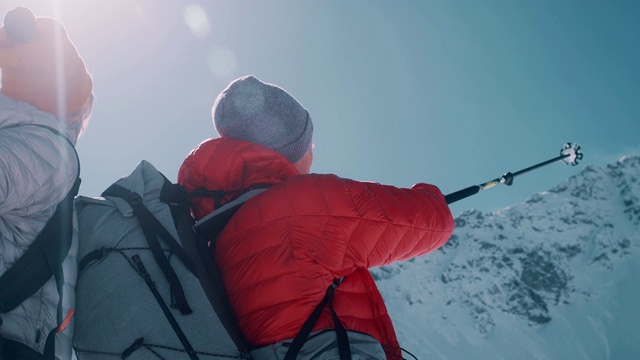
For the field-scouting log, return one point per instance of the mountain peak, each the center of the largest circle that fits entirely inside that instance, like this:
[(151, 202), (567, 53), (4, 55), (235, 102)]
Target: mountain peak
[(522, 272)]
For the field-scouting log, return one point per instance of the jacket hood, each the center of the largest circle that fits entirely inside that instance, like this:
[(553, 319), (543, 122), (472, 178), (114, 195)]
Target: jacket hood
[(230, 165)]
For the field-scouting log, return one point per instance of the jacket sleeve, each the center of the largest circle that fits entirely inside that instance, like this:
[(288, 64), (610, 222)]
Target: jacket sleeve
[(367, 224), (37, 169)]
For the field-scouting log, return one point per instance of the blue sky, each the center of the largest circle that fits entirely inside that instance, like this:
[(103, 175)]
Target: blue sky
[(452, 93)]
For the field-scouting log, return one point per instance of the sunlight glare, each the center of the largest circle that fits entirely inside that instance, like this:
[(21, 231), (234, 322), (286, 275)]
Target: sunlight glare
[(59, 61)]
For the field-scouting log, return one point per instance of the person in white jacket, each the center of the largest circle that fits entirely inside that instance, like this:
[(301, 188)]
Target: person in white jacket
[(45, 103)]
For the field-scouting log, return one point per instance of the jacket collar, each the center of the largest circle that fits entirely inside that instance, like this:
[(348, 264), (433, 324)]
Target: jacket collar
[(15, 112), (231, 165)]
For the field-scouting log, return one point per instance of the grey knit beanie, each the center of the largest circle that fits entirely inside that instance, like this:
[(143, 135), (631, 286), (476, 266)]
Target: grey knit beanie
[(251, 110)]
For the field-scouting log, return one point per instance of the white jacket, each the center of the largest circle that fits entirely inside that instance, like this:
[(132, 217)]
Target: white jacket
[(37, 170)]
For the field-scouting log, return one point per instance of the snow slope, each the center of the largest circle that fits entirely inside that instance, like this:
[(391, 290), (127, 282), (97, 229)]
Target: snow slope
[(555, 277)]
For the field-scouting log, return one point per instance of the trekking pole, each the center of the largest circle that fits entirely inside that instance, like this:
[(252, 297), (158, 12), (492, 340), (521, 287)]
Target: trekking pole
[(570, 154)]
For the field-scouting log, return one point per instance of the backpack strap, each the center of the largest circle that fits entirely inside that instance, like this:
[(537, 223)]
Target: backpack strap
[(11, 350), (44, 258), (212, 224), (153, 229), (307, 327), (206, 232), (219, 196)]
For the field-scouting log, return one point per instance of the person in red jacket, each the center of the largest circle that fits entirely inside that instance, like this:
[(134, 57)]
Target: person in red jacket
[(309, 237)]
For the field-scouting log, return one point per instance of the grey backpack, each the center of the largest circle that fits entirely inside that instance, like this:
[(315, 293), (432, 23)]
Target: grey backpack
[(143, 292)]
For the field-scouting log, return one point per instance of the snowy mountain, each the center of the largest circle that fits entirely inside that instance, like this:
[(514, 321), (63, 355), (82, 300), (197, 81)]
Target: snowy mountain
[(556, 277)]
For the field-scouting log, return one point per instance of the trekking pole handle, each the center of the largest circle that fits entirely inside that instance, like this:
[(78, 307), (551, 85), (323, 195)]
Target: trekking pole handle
[(461, 194), (474, 189)]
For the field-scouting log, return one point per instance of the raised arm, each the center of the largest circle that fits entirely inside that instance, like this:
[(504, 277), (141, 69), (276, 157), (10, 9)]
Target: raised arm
[(344, 224)]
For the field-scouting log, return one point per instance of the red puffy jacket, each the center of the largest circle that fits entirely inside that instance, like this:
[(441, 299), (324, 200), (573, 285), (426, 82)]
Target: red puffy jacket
[(283, 248)]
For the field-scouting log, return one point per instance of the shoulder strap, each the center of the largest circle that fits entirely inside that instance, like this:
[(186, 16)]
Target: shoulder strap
[(212, 224), (11, 350), (307, 327), (43, 259), (203, 243)]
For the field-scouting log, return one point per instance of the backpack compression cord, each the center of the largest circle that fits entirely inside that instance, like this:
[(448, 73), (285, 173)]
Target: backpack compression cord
[(153, 230)]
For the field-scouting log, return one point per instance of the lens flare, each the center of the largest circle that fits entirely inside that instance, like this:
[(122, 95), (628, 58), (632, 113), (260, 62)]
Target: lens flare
[(197, 20), (221, 61)]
